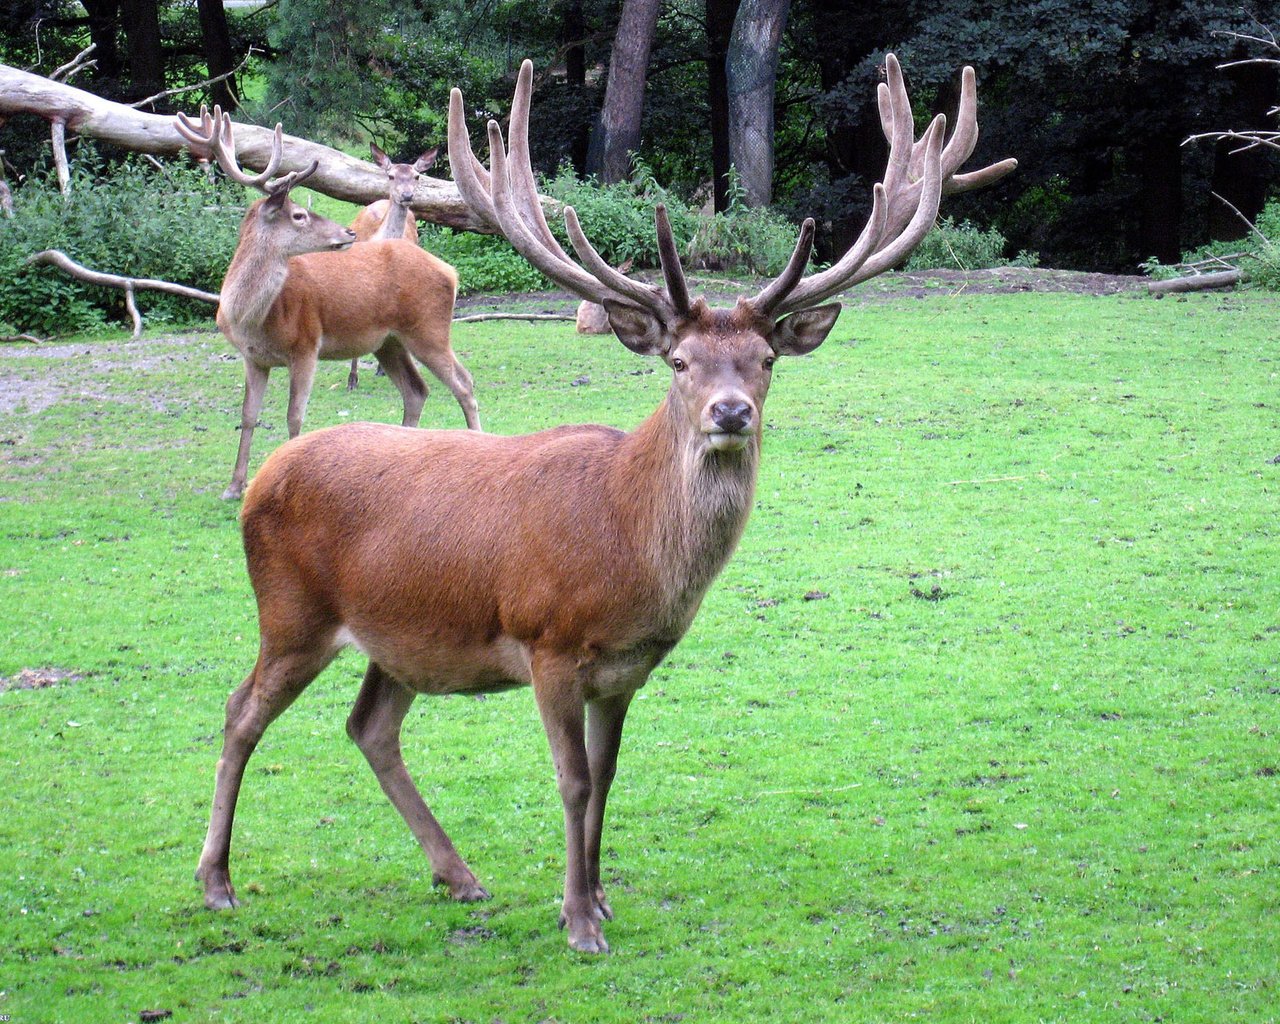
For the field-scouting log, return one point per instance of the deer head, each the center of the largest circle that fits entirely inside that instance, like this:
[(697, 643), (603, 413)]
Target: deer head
[(275, 222), (402, 178), (721, 358)]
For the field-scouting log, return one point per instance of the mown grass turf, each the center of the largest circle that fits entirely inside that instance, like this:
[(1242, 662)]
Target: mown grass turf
[(979, 724)]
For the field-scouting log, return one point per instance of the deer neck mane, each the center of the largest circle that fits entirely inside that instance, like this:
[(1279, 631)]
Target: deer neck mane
[(255, 277), (690, 503)]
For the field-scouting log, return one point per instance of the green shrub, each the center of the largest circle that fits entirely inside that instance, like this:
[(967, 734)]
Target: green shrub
[(752, 241), (964, 246), (485, 263), (134, 221)]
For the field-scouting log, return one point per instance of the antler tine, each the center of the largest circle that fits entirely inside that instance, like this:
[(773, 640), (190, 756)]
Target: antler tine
[(669, 258), (917, 175), (476, 186), (215, 134), (509, 222), (781, 286), (506, 197), (613, 280)]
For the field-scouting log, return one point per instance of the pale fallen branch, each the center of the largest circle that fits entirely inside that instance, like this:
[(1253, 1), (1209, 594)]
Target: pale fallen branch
[(476, 317), (129, 285), (1195, 282), (28, 339)]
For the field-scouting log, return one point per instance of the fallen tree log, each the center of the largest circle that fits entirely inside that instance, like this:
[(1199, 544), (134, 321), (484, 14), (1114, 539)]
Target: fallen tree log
[(1195, 282), (340, 176)]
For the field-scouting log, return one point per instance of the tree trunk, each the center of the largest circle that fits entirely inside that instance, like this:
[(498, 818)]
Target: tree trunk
[(141, 22), (338, 175), (104, 22), (752, 76), (573, 33), (720, 15), (617, 135), (217, 53), (1160, 205)]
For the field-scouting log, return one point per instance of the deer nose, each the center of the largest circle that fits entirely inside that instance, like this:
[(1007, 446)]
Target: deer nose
[(732, 416)]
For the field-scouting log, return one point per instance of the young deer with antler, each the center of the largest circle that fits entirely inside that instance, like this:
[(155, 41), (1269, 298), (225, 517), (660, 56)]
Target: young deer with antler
[(297, 292), (390, 217), (571, 560)]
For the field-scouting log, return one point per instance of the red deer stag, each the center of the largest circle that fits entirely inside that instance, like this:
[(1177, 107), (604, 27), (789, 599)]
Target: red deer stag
[(571, 560), (390, 217), (297, 292)]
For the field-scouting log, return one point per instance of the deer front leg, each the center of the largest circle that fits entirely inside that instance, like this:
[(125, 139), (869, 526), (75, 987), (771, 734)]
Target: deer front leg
[(559, 696), (604, 736), (353, 375), (255, 386), (374, 725)]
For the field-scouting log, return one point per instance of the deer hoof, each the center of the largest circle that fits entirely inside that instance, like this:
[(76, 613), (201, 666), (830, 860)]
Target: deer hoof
[(233, 493), (585, 937), (468, 890)]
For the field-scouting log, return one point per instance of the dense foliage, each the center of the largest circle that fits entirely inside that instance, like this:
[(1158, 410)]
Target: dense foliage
[(172, 224), (1094, 98)]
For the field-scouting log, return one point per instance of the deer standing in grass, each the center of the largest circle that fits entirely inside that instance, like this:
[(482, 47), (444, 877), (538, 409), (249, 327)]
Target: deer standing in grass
[(571, 560), (297, 292), (390, 217)]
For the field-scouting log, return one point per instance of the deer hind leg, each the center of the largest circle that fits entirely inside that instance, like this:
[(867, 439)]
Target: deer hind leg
[(374, 725), (272, 686), (301, 374), (393, 358), (453, 375), (604, 736), (255, 386), (559, 697), (353, 375)]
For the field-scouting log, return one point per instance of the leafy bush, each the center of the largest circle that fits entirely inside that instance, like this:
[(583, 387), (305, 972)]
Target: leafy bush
[(130, 221), (754, 241), (485, 263), (964, 246)]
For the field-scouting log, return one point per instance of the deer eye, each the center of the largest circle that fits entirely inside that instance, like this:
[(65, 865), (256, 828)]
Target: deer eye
[(679, 365), (300, 216), (768, 363)]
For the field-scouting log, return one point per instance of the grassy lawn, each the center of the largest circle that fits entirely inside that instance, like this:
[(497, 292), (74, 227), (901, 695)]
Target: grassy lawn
[(980, 724)]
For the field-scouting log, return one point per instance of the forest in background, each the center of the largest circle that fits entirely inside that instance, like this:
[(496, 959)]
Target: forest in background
[(1095, 99)]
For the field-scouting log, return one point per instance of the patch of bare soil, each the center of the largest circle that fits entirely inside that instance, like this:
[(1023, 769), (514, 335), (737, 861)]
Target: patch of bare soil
[(37, 679), (720, 290)]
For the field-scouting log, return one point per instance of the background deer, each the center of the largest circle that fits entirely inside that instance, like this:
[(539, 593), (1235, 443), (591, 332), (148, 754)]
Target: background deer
[(390, 217), (572, 560), (297, 292)]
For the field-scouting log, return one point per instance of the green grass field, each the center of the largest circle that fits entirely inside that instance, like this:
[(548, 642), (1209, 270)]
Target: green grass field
[(980, 724)]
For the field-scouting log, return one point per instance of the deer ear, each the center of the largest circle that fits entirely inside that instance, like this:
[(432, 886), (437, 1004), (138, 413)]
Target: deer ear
[(426, 160), (802, 332), (274, 204), (640, 330), (380, 158)]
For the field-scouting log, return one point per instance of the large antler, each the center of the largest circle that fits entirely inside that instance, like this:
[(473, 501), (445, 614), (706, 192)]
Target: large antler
[(506, 196), (214, 135), (905, 204)]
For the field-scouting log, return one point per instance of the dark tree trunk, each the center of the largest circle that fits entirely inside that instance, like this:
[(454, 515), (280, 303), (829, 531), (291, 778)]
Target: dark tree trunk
[(217, 52), (752, 75), (1242, 179), (617, 134), (104, 24), (720, 15), (574, 30), (1160, 203), (141, 22)]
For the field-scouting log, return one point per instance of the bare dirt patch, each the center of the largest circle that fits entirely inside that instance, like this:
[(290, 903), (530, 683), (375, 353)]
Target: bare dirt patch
[(38, 679)]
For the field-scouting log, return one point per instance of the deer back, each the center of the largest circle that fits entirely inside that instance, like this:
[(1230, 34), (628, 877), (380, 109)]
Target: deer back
[(348, 302)]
